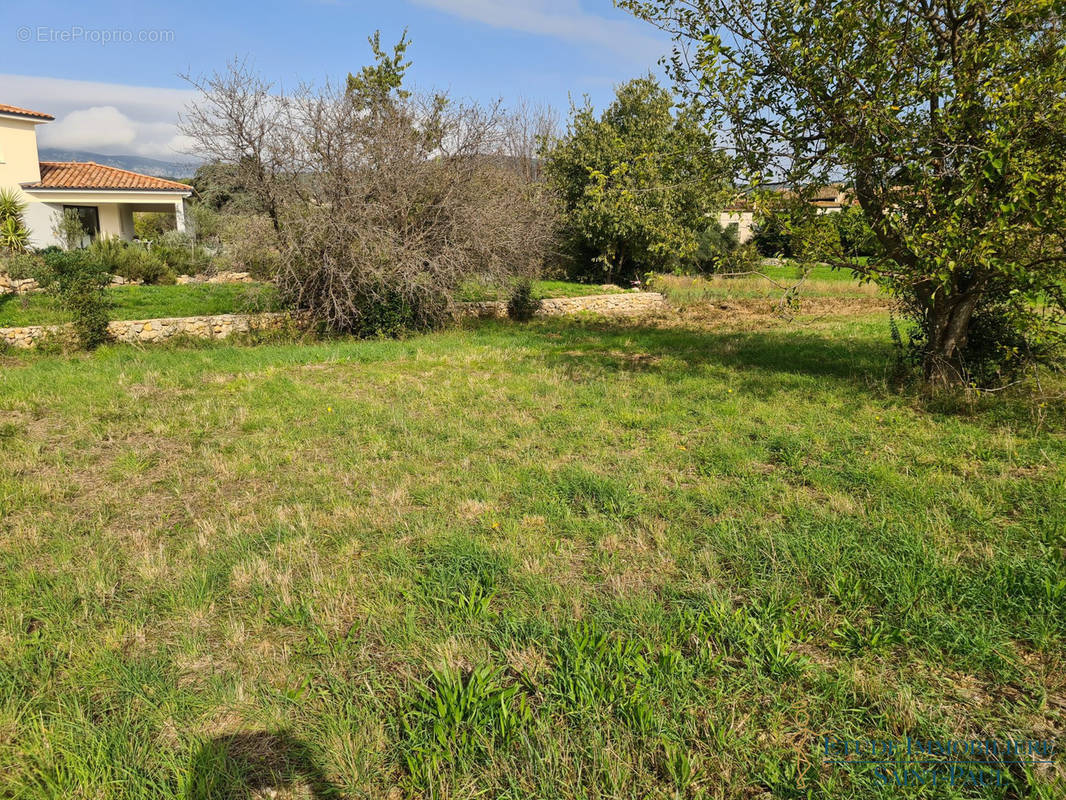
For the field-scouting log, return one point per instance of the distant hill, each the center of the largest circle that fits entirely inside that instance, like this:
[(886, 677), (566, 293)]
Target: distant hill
[(142, 164)]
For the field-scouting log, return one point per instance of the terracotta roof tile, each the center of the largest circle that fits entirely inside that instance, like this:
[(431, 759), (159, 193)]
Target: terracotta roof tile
[(90, 175), (24, 112)]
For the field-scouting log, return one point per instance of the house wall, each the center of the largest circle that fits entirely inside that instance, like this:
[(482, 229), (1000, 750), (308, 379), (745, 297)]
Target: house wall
[(115, 210), (19, 163), (18, 152), (744, 220)]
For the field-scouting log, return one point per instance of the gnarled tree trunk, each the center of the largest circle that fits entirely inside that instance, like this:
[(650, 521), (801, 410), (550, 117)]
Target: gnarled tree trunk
[(948, 315)]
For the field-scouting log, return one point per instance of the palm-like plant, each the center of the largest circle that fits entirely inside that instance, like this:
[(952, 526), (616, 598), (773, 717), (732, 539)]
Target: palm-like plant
[(13, 234)]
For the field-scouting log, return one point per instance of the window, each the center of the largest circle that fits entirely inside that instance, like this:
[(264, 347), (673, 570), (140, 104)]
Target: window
[(89, 217)]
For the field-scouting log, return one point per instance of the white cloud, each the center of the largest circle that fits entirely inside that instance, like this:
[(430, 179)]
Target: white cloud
[(562, 19), (109, 118), (93, 128)]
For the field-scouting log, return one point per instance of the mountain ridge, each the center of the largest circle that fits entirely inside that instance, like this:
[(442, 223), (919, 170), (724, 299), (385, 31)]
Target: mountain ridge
[(143, 164)]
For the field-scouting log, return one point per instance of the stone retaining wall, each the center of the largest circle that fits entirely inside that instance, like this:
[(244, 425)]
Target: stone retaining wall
[(219, 277), (619, 304), (9, 285), (628, 304), (220, 326)]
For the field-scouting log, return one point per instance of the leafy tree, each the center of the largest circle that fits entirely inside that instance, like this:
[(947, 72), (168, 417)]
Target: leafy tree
[(771, 235), (151, 225), (948, 117), (856, 236), (378, 84), (636, 182), (219, 186), (67, 228)]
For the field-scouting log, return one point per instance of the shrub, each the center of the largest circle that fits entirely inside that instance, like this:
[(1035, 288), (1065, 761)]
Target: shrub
[(715, 243), (205, 222), (523, 304), (772, 237), (180, 254), (129, 260), (23, 265), (248, 243), (150, 225), (79, 282), (67, 228), (857, 239), (802, 233), (720, 250)]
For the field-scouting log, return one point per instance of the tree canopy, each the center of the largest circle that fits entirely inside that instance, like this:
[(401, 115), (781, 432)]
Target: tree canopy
[(947, 117), (636, 182)]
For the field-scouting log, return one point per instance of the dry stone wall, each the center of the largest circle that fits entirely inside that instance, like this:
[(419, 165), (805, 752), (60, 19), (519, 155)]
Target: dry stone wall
[(221, 326), (9, 285), (219, 277), (619, 304)]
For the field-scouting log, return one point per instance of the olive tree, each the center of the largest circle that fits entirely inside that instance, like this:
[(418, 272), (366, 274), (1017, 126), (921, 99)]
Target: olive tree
[(946, 117)]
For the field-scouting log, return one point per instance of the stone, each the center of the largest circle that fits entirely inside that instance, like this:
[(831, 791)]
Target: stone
[(629, 304)]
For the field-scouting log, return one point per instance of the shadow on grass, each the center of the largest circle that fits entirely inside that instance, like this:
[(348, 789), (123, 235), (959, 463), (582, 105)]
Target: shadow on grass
[(854, 358), (243, 766)]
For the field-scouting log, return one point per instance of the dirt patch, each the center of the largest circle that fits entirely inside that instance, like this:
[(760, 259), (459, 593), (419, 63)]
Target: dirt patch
[(759, 314)]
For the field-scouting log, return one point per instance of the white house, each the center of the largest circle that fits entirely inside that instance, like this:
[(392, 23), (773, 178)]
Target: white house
[(105, 198)]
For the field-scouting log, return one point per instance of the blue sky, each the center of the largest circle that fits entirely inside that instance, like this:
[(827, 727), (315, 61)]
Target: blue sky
[(109, 71)]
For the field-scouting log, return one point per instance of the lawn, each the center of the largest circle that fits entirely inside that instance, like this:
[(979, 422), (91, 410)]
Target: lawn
[(204, 299), (147, 302), (478, 292), (564, 559)]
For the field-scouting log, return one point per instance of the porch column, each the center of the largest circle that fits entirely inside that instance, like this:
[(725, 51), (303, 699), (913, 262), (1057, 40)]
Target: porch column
[(125, 218), (179, 215)]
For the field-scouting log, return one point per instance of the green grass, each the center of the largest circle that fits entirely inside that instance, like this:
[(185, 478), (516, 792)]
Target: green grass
[(788, 269), (476, 292), (771, 283), (194, 300), (561, 559), (146, 302)]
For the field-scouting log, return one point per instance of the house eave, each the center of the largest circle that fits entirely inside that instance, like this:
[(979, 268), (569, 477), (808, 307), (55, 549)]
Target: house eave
[(26, 117), (29, 187)]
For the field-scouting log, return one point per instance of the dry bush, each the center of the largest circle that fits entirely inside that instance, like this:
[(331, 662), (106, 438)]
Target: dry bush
[(384, 203), (248, 243)]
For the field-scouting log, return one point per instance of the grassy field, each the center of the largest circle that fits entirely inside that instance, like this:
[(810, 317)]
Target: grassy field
[(147, 302), (565, 559)]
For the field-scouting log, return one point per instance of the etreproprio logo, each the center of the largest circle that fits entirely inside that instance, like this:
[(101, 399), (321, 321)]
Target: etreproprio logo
[(920, 762)]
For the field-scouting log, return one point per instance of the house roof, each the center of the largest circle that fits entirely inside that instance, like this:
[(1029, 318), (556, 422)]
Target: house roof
[(831, 196), (24, 112), (90, 176)]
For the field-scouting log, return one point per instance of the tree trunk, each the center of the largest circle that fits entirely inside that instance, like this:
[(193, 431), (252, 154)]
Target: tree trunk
[(949, 318)]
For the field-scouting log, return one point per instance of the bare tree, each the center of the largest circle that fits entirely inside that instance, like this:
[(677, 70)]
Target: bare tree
[(529, 129), (385, 202)]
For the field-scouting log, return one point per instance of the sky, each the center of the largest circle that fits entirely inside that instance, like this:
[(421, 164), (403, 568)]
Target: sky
[(110, 71)]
